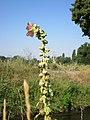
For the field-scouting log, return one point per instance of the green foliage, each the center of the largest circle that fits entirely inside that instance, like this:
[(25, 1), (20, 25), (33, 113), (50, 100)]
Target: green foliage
[(81, 15), (74, 56), (12, 74), (67, 60), (14, 97), (63, 60), (2, 58), (58, 59), (65, 95), (68, 95), (83, 54)]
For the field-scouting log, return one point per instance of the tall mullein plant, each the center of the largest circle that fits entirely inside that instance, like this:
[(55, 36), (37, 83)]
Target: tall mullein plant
[(44, 83)]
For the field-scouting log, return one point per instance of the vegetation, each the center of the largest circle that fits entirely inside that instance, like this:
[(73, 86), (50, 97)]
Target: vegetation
[(81, 15), (74, 56), (70, 85), (83, 54)]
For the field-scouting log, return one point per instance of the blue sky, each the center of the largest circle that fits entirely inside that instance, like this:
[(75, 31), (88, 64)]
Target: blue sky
[(53, 16)]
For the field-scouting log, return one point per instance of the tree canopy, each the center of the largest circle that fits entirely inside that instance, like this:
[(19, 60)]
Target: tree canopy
[(81, 15), (83, 54)]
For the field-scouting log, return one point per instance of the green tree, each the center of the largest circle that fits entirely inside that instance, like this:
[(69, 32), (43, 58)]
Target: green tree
[(62, 58), (81, 15), (67, 60), (74, 55), (63, 55), (58, 59), (83, 54), (3, 58)]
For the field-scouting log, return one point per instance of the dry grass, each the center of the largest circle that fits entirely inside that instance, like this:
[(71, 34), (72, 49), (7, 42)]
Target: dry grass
[(81, 75), (78, 73)]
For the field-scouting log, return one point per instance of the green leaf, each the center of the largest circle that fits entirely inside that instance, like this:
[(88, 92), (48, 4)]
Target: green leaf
[(47, 110)]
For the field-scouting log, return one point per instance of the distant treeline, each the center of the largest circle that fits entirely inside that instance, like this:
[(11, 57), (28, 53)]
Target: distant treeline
[(82, 56)]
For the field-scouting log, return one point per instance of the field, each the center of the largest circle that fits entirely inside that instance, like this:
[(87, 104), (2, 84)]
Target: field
[(70, 85)]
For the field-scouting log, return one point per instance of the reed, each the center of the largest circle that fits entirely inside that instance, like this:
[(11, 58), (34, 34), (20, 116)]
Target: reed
[(26, 92), (4, 110)]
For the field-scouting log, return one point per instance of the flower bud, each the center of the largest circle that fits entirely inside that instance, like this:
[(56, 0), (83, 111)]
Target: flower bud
[(42, 47), (47, 49), (45, 41), (41, 54), (40, 75)]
